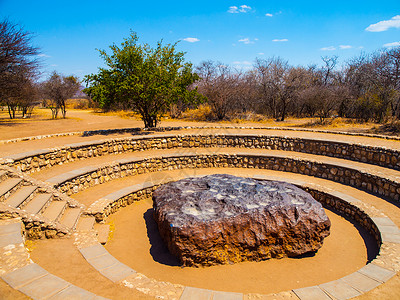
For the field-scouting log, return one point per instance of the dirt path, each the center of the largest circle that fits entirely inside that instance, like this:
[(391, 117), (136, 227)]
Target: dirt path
[(80, 120), (56, 142)]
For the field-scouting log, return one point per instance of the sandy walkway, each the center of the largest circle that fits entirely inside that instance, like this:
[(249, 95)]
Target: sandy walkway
[(25, 146)]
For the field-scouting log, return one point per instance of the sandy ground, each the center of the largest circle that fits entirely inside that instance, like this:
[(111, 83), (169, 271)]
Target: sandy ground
[(79, 120), (135, 241), (61, 258)]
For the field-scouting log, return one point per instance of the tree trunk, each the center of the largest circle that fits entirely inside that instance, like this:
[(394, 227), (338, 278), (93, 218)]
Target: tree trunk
[(11, 110), (149, 121), (63, 111)]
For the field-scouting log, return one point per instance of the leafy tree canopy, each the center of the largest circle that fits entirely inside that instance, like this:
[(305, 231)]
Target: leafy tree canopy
[(145, 79)]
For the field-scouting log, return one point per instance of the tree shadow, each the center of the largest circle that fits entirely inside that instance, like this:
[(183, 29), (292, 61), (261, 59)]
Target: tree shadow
[(132, 131), (158, 249)]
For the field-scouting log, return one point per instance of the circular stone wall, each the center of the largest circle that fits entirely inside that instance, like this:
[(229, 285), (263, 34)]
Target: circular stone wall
[(219, 219)]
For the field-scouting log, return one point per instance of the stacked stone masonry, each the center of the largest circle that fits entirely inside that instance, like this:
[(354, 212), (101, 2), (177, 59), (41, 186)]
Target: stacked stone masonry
[(328, 200), (36, 225), (346, 175), (36, 160)]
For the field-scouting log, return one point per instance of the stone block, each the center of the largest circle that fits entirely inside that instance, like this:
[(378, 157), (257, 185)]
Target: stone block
[(44, 287), (24, 275), (227, 296), (376, 272), (93, 251), (361, 282), (73, 292), (117, 272), (11, 238), (311, 293), (191, 293), (340, 290)]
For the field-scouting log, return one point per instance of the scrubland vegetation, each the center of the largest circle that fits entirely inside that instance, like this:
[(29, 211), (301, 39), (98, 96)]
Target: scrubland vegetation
[(155, 82)]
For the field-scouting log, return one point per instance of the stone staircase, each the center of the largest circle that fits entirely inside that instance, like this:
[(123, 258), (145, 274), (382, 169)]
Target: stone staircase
[(27, 277), (43, 210)]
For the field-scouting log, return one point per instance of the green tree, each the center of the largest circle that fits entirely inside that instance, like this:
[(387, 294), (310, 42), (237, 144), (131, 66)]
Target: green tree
[(145, 79)]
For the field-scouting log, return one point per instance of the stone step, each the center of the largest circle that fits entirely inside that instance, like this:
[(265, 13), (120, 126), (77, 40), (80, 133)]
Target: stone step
[(3, 175), (17, 198), (85, 223), (54, 210), (37, 203), (103, 232), (8, 185), (70, 217)]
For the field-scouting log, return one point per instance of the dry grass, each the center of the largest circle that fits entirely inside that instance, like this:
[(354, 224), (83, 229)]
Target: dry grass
[(81, 103), (123, 114), (390, 128), (335, 123), (200, 114)]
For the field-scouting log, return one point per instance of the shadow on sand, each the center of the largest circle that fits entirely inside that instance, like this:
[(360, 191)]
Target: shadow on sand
[(158, 250)]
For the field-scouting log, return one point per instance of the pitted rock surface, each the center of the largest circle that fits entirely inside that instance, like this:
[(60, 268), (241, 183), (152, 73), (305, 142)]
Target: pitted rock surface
[(220, 219)]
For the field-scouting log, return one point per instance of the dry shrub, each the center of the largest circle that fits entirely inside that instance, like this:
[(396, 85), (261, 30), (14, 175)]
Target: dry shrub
[(202, 113), (123, 114), (331, 122), (391, 128), (247, 117), (79, 103)]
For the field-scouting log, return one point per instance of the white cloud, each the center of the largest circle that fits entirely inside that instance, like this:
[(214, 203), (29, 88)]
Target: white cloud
[(240, 9), (244, 8), (245, 41), (280, 40), (385, 25), (269, 15), (345, 47), (394, 44), (233, 10), (43, 55), (330, 48), (248, 41), (261, 53), (191, 40)]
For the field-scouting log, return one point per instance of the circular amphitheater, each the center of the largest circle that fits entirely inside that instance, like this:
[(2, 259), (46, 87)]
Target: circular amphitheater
[(76, 217)]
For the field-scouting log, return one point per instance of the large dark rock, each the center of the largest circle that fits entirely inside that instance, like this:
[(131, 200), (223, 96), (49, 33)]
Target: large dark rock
[(219, 219)]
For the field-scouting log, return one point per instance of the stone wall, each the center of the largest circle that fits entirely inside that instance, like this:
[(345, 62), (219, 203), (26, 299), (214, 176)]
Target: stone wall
[(368, 182), (35, 161), (348, 210), (328, 200)]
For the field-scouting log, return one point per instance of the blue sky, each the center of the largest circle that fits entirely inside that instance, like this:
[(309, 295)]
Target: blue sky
[(233, 32)]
